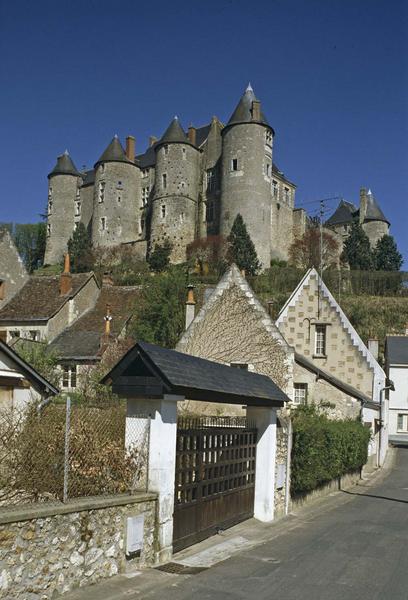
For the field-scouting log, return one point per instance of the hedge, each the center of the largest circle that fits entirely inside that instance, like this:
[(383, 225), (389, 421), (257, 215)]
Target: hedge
[(324, 450)]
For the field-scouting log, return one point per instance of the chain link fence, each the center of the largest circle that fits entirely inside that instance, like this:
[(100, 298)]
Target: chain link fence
[(70, 450)]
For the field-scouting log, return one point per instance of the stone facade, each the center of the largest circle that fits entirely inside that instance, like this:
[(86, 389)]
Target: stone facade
[(181, 188), (13, 273), (47, 550)]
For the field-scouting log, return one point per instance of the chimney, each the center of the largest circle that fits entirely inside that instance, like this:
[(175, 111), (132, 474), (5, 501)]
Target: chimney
[(130, 148), (363, 204), (108, 318), (107, 279), (192, 131), (152, 140), (190, 306), (256, 110), (373, 347), (66, 278)]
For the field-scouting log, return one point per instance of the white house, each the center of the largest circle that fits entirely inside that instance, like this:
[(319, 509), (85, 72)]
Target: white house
[(396, 364)]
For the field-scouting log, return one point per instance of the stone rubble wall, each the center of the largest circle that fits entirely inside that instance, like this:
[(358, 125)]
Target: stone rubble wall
[(47, 550)]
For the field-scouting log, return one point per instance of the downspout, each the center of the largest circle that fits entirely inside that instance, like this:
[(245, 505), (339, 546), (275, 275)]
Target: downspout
[(288, 464)]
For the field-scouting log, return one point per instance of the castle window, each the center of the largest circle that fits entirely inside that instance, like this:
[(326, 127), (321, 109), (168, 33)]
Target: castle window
[(166, 150), (76, 225), (49, 206), (164, 180), (275, 188), (210, 212), (78, 193), (77, 208), (287, 194), (210, 180), (183, 153), (320, 340), (145, 195), (102, 167), (268, 137), (268, 169), (50, 192), (141, 224), (163, 211), (48, 229), (119, 196), (101, 196), (119, 183), (234, 164), (182, 217), (300, 393), (145, 172), (103, 223)]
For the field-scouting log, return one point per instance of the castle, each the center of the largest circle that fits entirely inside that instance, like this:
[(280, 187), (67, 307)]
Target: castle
[(182, 188)]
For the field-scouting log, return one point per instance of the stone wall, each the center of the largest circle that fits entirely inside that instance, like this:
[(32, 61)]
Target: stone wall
[(60, 220), (281, 458), (13, 273), (50, 549)]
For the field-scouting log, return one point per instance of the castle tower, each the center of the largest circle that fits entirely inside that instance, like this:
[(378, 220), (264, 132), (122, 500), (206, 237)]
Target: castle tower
[(63, 189), (177, 179), (372, 217), (247, 173), (116, 195)]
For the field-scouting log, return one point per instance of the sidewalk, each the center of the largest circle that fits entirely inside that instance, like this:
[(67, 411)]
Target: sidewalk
[(218, 548)]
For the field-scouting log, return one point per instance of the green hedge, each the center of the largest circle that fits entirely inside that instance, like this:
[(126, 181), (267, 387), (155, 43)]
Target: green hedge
[(324, 450)]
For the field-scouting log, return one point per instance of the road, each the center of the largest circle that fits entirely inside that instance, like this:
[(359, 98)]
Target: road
[(356, 550)]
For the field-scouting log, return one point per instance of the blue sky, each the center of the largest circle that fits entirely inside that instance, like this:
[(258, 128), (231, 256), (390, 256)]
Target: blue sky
[(331, 75)]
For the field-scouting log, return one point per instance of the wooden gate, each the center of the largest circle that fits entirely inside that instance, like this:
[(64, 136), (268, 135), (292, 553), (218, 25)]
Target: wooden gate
[(215, 477)]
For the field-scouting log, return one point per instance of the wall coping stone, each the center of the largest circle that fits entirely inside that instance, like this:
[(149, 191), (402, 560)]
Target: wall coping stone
[(48, 509)]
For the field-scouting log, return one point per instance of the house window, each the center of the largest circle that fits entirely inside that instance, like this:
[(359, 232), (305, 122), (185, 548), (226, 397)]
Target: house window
[(77, 208), (163, 211), (103, 223), (275, 188), (164, 180), (402, 422), (34, 335), (101, 195), (211, 180), (210, 212), (69, 376), (320, 345), (300, 393), (287, 194), (268, 137), (166, 150), (145, 195), (234, 164)]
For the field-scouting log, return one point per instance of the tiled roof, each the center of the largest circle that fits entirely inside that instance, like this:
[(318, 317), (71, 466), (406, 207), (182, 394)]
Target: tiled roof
[(374, 212), (39, 299)]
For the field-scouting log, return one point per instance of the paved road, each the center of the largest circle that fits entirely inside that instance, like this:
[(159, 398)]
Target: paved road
[(358, 550)]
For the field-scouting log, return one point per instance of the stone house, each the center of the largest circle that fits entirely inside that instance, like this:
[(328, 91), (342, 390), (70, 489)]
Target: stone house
[(13, 274), (313, 322), (45, 306), (396, 366), (20, 384)]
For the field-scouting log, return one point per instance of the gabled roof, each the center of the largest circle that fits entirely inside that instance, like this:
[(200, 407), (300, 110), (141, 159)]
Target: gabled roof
[(39, 299), (230, 278), (82, 340), (344, 387), (243, 110), (37, 381), (190, 376), (396, 350), (114, 153), (344, 213), (64, 166), (374, 212), (356, 339), (174, 134)]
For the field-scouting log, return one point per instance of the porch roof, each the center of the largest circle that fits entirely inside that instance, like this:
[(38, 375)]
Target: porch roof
[(149, 371)]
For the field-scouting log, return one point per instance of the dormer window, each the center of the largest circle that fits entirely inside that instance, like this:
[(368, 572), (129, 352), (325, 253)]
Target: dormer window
[(275, 188), (287, 194), (145, 172)]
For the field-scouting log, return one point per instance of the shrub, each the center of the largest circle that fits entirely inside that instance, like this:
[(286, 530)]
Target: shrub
[(324, 450), (159, 259)]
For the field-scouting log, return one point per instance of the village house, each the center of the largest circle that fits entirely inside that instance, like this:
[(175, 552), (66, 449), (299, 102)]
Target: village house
[(396, 366), (329, 350), (20, 384), (13, 274)]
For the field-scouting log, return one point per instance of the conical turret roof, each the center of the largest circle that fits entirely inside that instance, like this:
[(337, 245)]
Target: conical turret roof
[(243, 111), (114, 153), (174, 134), (64, 166), (374, 212)]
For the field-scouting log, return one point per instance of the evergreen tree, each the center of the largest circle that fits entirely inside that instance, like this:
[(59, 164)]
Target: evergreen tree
[(357, 250), (159, 259), (386, 255), (241, 248), (80, 250)]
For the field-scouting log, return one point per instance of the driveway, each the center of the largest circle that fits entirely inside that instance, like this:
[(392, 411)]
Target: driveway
[(352, 546)]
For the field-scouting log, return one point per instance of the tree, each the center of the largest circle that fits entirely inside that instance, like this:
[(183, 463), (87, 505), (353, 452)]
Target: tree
[(160, 309), (30, 241), (241, 248), (80, 250), (209, 254), (357, 250), (305, 251), (386, 255), (159, 259)]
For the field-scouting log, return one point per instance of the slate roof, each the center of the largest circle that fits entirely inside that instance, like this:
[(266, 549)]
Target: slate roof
[(202, 134), (36, 379), (174, 134), (88, 177), (344, 213), (39, 299), (196, 377), (242, 113), (148, 159), (396, 349), (344, 387), (64, 166), (114, 153), (374, 212), (82, 340)]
